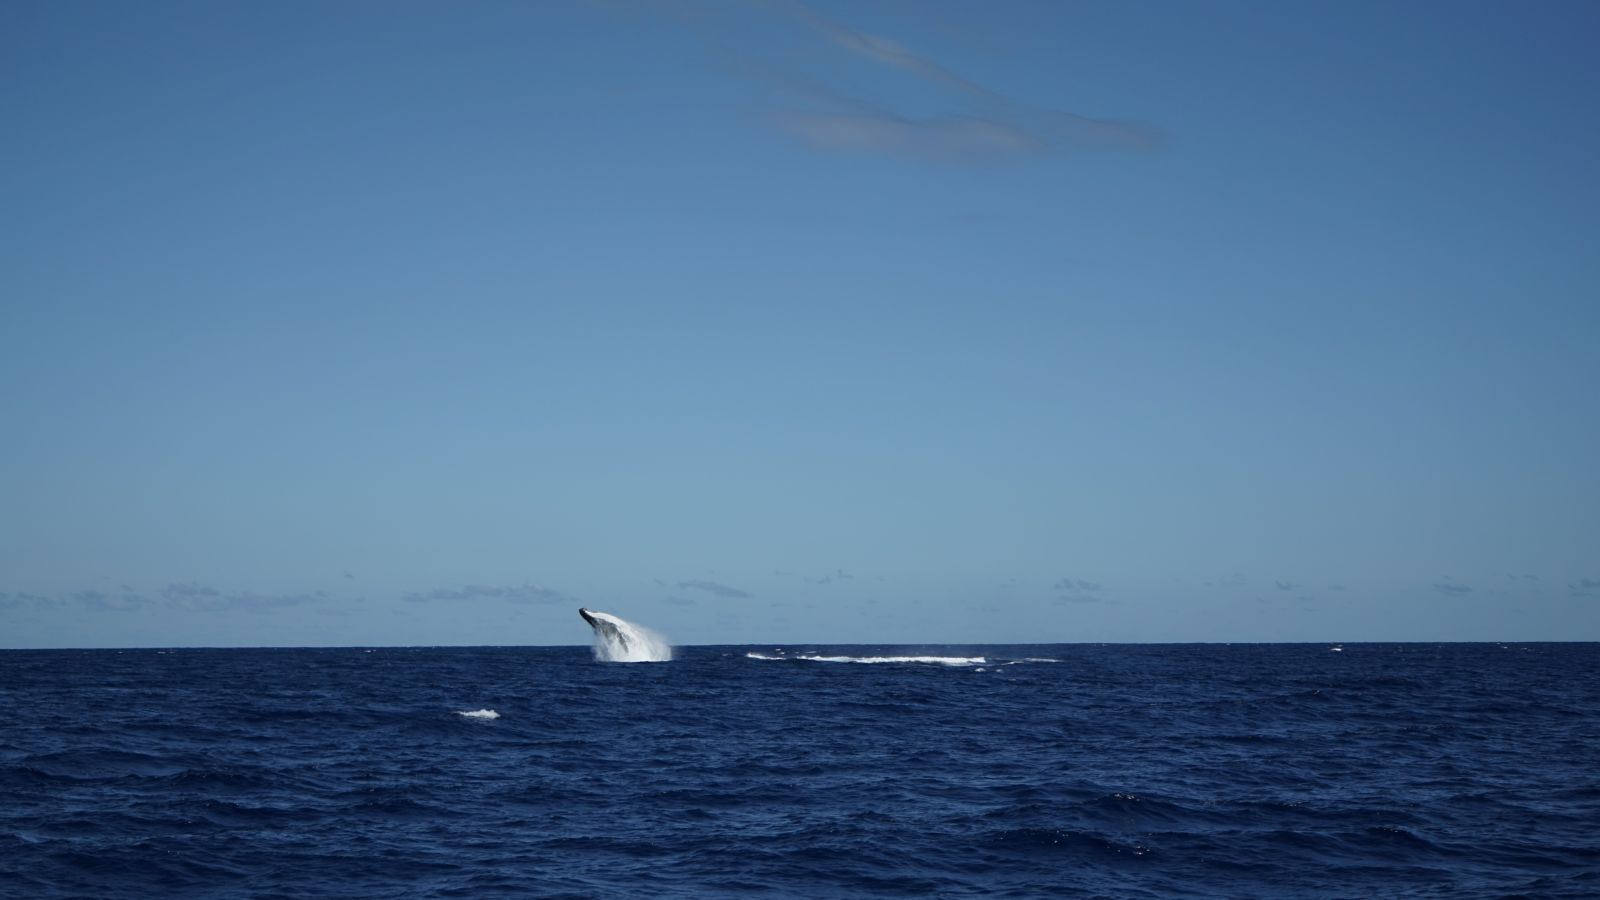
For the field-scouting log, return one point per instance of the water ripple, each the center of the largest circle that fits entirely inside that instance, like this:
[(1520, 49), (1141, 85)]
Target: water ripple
[(1092, 771)]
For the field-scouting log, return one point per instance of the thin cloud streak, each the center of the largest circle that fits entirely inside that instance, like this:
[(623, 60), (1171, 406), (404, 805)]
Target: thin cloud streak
[(201, 598), (520, 594), (980, 125), (1078, 590), (958, 139), (184, 596), (1044, 128), (715, 588)]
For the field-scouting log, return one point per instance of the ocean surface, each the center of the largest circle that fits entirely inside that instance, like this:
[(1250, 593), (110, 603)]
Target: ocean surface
[(1375, 770)]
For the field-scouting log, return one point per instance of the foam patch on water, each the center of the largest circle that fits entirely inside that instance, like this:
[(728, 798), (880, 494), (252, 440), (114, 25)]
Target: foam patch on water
[(779, 655), (478, 713), (928, 660)]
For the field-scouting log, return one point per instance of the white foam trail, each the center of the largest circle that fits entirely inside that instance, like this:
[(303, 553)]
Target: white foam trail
[(631, 643), (478, 713), (931, 660)]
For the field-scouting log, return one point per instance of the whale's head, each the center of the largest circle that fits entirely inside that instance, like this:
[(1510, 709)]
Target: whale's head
[(604, 625)]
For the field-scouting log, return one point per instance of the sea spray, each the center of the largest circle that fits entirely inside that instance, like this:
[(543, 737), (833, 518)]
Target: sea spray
[(618, 640)]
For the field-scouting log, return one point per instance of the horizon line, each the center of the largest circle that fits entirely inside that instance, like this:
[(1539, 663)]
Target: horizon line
[(1336, 643)]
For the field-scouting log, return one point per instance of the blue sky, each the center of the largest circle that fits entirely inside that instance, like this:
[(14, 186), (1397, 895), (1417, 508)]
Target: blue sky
[(425, 323)]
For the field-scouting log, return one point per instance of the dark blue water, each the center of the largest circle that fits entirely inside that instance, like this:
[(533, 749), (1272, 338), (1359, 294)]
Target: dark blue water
[(1119, 771)]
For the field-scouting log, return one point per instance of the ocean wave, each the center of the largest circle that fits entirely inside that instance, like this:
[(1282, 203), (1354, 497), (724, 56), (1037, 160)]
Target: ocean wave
[(1128, 771), (1069, 842), (926, 660), (101, 763), (779, 656)]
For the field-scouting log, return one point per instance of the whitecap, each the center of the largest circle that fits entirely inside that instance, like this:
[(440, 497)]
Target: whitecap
[(927, 660), (478, 713), (930, 660)]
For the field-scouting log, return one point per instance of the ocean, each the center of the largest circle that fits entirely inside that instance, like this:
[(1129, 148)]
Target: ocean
[(1125, 771)]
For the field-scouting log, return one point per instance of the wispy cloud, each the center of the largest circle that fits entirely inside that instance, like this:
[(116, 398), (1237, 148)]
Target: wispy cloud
[(830, 112), (178, 595), (25, 600), (715, 588), (956, 139), (884, 51), (1452, 588), (189, 593), (1079, 590), (1082, 598), (1285, 585), (1231, 580), (985, 125), (99, 600), (1069, 584), (825, 578), (522, 593), (197, 597), (1584, 587)]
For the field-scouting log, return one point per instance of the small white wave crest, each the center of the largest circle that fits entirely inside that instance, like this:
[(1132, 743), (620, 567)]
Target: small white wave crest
[(478, 713), (926, 660)]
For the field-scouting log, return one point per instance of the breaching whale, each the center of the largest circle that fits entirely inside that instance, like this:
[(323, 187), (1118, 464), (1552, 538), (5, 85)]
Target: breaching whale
[(604, 626)]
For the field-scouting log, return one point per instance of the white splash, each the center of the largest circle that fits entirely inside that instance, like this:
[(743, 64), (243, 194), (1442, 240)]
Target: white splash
[(930, 660), (478, 713), (624, 641)]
